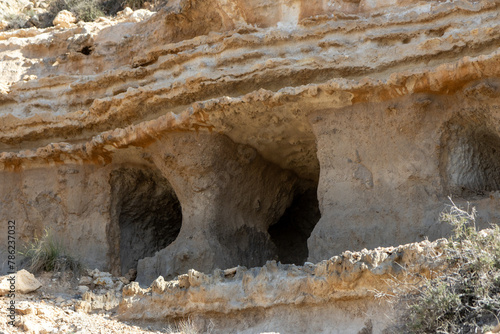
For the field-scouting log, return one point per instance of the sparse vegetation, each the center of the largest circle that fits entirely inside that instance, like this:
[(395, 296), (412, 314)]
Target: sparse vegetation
[(89, 10), (47, 253), (16, 21), (86, 10), (466, 297)]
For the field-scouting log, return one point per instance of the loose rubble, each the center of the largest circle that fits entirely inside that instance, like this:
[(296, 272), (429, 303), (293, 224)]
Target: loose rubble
[(59, 303)]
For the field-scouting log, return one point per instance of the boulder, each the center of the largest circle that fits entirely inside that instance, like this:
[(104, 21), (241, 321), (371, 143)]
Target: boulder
[(64, 19), (25, 282)]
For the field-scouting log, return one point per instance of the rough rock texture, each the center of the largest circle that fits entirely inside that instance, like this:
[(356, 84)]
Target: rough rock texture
[(64, 19), (332, 296), (225, 113), (19, 282), (58, 307), (227, 206)]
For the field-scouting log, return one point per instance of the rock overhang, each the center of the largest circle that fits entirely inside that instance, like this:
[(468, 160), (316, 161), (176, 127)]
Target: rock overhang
[(291, 86)]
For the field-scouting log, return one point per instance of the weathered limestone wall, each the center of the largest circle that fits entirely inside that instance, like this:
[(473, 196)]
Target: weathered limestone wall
[(72, 199), (229, 197), (211, 118), (390, 166)]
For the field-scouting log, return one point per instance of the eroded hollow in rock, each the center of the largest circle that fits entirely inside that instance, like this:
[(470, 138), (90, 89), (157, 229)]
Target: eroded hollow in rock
[(471, 161), (147, 212), (291, 232), (86, 50)]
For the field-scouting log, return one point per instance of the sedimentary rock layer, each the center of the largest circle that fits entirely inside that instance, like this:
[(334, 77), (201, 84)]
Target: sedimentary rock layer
[(332, 296), (242, 126)]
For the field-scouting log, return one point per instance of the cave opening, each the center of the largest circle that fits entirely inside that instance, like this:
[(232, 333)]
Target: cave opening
[(472, 166), (291, 231), (147, 213), (86, 50)]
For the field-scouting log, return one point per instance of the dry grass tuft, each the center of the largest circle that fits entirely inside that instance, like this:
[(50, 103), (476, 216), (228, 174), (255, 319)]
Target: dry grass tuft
[(48, 254)]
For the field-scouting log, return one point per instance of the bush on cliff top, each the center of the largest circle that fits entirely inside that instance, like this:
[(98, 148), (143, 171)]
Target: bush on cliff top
[(86, 10), (89, 10), (466, 298)]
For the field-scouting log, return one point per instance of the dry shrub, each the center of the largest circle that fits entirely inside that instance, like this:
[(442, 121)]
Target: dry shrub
[(465, 298), (86, 10)]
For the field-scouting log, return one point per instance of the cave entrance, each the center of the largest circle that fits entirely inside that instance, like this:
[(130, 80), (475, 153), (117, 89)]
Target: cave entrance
[(147, 212), (471, 163), (291, 231)]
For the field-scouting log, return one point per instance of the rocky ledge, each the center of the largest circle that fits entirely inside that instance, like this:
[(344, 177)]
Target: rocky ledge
[(282, 297)]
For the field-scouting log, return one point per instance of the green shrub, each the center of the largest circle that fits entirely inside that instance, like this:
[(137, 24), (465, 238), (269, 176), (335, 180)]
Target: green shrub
[(466, 297), (48, 254), (86, 10), (16, 21)]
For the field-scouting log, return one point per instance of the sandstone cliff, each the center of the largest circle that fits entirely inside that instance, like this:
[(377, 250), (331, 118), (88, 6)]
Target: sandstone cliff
[(216, 133)]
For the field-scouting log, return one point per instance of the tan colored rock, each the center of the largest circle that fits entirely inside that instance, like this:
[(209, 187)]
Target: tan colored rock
[(301, 110), (106, 282), (106, 301), (139, 15), (82, 289), (125, 12), (27, 326), (85, 280), (124, 280), (20, 282), (349, 280), (64, 19), (3, 25), (83, 306), (225, 134), (25, 308)]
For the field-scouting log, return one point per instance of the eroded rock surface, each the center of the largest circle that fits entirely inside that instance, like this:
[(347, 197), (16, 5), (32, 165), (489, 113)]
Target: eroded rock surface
[(332, 296), (19, 282), (191, 138)]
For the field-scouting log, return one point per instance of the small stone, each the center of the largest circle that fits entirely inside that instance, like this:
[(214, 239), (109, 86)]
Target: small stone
[(85, 280), (41, 311), (83, 306), (106, 282), (64, 19), (82, 289), (118, 286), (27, 325), (124, 280), (140, 14), (3, 25), (126, 12), (96, 274), (24, 308)]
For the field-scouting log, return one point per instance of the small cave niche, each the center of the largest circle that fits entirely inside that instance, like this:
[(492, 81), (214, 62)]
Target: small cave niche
[(291, 231), (471, 161), (147, 213), (86, 50)]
